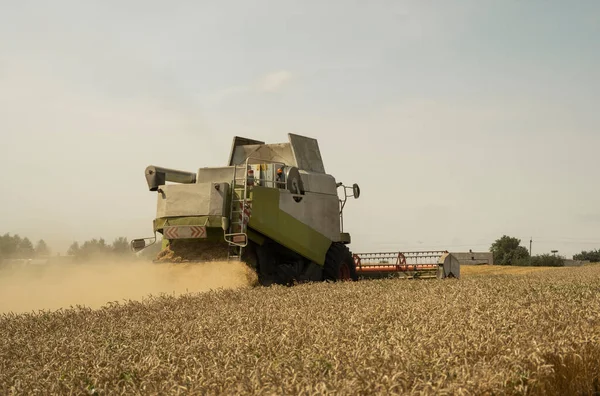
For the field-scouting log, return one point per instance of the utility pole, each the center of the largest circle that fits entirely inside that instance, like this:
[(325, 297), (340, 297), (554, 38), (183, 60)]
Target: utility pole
[(530, 242)]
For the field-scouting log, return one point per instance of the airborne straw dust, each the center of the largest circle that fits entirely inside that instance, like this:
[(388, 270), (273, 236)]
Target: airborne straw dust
[(96, 283)]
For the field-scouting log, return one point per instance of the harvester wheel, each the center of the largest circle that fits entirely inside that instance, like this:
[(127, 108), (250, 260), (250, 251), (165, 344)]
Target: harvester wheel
[(278, 265), (339, 264)]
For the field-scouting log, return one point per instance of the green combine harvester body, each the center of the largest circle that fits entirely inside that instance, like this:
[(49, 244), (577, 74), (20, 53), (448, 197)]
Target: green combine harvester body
[(272, 206)]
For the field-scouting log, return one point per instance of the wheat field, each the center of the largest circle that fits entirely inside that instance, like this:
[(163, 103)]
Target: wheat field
[(479, 270), (497, 333)]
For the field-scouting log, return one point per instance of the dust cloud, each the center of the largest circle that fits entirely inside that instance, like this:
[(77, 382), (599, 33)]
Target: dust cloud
[(31, 288)]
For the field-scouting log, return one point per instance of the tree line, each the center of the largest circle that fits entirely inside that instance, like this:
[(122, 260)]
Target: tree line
[(507, 250), (593, 256), (17, 247)]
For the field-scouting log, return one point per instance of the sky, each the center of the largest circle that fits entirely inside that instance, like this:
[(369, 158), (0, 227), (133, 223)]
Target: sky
[(461, 121)]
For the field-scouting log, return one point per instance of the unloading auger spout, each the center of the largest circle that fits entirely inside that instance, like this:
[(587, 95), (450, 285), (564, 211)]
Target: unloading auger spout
[(157, 176)]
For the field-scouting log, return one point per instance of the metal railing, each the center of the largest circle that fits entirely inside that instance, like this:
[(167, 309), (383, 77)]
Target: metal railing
[(236, 235)]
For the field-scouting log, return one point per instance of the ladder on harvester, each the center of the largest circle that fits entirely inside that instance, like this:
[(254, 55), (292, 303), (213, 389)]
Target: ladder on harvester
[(236, 235)]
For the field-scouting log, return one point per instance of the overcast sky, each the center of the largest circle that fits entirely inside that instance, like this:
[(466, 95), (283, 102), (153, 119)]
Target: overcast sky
[(461, 120)]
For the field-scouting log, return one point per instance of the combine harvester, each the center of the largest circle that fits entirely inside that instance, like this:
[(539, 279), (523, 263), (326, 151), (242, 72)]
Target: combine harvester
[(275, 208)]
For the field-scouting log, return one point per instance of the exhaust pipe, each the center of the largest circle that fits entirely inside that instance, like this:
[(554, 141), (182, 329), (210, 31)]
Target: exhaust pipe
[(157, 176)]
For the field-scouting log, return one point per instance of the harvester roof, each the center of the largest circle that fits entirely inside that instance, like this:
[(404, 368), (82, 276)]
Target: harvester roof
[(300, 151)]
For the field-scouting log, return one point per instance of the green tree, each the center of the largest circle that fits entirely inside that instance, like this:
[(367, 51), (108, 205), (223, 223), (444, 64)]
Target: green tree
[(593, 256), (547, 260), (16, 247), (42, 249), (9, 245), (74, 249), (94, 247), (26, 249), (98, 248), (507, 250), (121, 246)]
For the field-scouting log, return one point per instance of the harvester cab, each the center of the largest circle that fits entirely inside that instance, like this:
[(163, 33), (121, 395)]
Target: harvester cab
[(273, 206)]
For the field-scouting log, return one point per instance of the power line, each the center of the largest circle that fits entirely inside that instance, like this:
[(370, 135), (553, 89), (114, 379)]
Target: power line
[(568, 243), (556, 238)]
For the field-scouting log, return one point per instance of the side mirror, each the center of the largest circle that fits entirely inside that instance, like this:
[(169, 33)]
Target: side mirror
[(356, 190), (138, 244)]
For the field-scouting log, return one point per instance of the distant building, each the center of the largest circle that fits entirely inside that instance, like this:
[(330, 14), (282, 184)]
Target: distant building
[(474, 258)]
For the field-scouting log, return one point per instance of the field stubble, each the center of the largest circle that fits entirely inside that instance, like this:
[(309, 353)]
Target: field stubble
[(512, 334)]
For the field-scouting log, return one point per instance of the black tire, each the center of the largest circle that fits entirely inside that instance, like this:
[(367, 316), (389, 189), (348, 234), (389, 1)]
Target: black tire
[(279, 265), (339, 264)]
